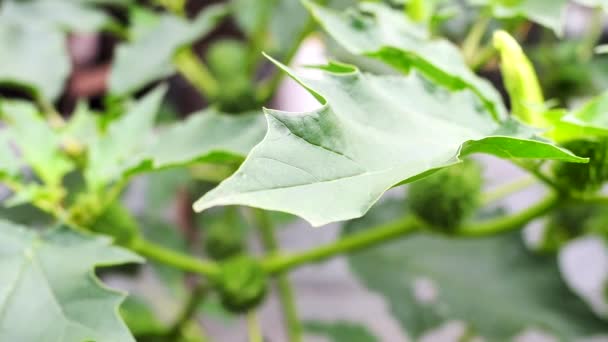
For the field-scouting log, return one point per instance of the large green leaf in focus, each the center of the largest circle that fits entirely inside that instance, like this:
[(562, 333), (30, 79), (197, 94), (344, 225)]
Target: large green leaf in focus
[(339, 331), (493, 284), (377, 31), (373, 133), (549, 13), (149, 56), (38, 143), (49, 291)]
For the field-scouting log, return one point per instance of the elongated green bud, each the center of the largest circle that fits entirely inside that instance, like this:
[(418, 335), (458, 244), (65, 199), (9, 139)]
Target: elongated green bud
[(418, 10), (527, 101)]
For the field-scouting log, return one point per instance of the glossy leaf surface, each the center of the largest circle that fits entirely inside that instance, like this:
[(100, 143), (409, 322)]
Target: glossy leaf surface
[(373, 133)]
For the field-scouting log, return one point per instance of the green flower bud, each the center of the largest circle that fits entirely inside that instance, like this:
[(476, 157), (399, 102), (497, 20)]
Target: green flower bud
[(521, 81), (242, 283), (448, 197), (584, 178)]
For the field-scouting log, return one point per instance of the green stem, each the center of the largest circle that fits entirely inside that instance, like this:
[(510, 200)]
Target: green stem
[(470, 46), (286, 295), (178, 260), (511, 222), (253, 327), (370, 237), (175, 6), (259, 37), (196, 72), (504, 190)]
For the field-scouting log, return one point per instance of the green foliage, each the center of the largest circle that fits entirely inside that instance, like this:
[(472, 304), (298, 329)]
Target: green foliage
[(243, 284), (493, 284), (158, 38), (587, 177), (414, 116), (225, 234), (449, 197), (339, 331), (365, 151), (52, 273)]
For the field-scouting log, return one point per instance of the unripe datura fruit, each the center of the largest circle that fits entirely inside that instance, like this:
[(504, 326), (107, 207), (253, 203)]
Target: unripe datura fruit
[(222, 242), (571, 220), (448, 197), (587, 177), (242, 283)]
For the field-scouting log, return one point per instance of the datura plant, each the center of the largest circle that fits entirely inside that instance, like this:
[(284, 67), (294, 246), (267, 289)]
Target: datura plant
[(107, 179)]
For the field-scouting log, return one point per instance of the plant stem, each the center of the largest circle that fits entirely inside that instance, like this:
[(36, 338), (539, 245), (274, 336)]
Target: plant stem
[(511, 222), (196, 72), (189, 310), (178, 260), (286, 296), (370, 237), (504, 190), (253, 327), (470, 46), (175, 6)]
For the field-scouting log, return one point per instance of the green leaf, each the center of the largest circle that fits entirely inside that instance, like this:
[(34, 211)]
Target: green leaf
[(379, 32), (50, 276), (592, 115), (39, 144), (9, 163), (140, 318), (158, 42), (112, 153), (549, 13), (340, 331), (73, 16), (373, 133), (33, 57), (493, 284), (207, 136)]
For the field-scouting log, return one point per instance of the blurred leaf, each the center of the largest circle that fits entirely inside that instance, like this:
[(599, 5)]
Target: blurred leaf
[(112, 154), (139, 317), (377, 31), (359, 133), (593, 115), (340, 331), (73, 16), (10, 164), (148, 57), (33, 57), (584, 266), (39, 145), (494, 284), (594, 3), (52, 273), (130, 146), (549, 13)]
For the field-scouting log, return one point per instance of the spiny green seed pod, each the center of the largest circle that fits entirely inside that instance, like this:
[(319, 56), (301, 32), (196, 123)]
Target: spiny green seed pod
[(227, 61), (242, 283), (587, 177), (521, 81), (222, 241), (448, 197), (571, 220)]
